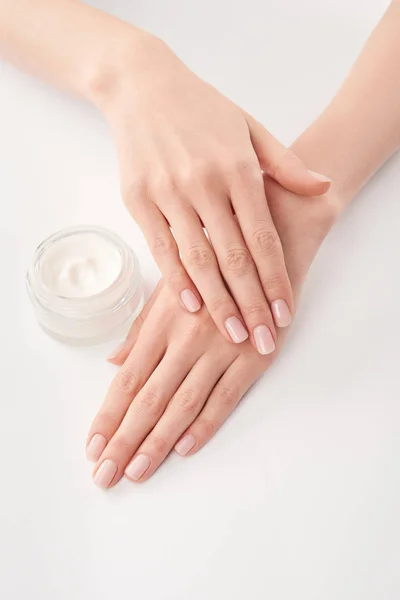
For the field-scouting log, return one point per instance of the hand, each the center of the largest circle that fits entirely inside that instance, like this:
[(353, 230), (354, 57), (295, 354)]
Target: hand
[(191, 158), (180, 379)]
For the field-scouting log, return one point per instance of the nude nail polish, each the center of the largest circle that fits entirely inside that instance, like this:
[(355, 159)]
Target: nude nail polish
[(117, 351), (137, 467), (236, 330), (105, 473), (95, 447), (319, 176), (281, 313), (190, 301), (263, 339), (185, 444)]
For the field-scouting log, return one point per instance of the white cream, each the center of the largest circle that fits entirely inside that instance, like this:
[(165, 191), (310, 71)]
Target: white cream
[(85, 285), (80, 266)]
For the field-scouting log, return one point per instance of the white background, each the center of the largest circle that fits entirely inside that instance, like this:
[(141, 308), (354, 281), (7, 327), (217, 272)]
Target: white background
[(297, 497)]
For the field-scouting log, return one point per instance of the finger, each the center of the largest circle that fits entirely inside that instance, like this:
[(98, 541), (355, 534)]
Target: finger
[(121, 352), (142, 415), (262, 239), (202, 266), (179, 414), (240, 273), (138, 367), (166, 254), (223, 399), (283, 165)]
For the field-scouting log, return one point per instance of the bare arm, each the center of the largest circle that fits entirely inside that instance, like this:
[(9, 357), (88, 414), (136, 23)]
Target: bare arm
[(360, 128), (67, 43)]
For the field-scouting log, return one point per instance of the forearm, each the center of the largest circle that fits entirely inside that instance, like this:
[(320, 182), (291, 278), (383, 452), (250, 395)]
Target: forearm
[(68, 43), (360, 129)]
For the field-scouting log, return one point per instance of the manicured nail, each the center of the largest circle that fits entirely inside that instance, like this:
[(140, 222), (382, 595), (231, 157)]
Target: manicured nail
[(236, 330), (281, 313), (190, 301), (105, 473), (117, 351), (95, 447), (185, 444), (319, 176), (137, 467), (264, 340)]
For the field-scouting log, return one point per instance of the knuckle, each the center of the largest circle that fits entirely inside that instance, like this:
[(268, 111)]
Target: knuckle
[(200, 257), (220, 304), (274, 282), (193, 331), (107, 421), (207, 427), (162, 246), (163, 185), (159, 445), (175, 276), (265, 241), (205, 172), (238, 261), (187, 401), (198, 174), (126, 381), (247, 169), (121, 444), (150, 403), (228, 397), (134, 190), (255, 307)]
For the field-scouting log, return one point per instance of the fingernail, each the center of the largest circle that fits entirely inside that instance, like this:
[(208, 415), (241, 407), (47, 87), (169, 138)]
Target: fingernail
[(264, 340), (236, 330), (117, 351), (105, 473), (190, 301), (137, 467), (281, 313), (95, 447), (185, 444), (319, 176)]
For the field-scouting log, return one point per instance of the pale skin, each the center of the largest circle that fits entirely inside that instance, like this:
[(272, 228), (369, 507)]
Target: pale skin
[(188, 157), (172, 176), (180, 379)]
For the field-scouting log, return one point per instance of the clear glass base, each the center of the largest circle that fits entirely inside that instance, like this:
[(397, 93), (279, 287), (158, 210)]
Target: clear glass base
[(117, 333)]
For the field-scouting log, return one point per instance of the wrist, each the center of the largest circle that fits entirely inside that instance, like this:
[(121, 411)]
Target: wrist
[(123, 63), (126, 70)]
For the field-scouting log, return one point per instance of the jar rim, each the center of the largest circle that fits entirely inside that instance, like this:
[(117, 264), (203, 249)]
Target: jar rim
[(68, 306)]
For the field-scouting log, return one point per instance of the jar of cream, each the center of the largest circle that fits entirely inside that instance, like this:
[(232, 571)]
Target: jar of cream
[(85, 285)]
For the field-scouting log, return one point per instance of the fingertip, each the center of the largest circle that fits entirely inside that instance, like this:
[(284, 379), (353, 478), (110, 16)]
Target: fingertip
[(236, 330), (319, 183), (190, 301), (293, 175), (185, 444), (119, 354)]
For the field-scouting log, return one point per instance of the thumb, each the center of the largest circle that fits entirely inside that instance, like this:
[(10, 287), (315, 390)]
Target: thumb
[(122, 351), (281, 164)]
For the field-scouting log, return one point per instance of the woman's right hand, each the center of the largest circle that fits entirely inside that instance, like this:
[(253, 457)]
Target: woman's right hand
[(191, 160)]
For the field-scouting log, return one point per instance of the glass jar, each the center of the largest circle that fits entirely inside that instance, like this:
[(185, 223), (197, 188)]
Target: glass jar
[(92, 318)]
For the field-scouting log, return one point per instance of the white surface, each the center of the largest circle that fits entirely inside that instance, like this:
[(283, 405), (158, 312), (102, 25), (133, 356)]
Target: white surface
[(298, 495)]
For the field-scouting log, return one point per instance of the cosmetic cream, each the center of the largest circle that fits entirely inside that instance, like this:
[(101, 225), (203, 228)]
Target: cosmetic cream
[(85, 285)]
